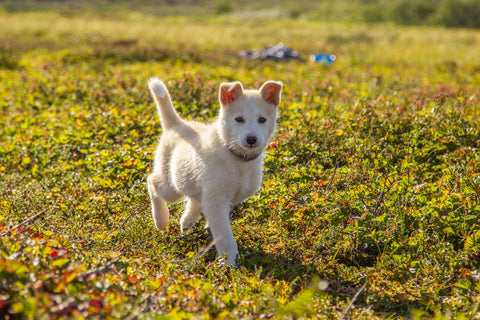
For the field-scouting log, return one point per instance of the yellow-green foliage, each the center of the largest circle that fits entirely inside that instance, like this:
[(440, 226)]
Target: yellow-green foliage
[(372, 177)]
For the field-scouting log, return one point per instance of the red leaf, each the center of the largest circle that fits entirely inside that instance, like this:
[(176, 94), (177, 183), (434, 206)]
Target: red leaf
[(133, 279), (96, 303)]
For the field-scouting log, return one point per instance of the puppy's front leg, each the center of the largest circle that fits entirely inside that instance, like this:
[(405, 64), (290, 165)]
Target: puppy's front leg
[(217, 214)]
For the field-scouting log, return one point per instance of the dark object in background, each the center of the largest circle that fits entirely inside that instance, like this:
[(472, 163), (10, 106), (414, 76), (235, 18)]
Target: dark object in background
[(278, 52)]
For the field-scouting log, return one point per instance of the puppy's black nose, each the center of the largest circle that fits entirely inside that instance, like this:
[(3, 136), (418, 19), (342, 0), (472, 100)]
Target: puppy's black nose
[(251, 140)]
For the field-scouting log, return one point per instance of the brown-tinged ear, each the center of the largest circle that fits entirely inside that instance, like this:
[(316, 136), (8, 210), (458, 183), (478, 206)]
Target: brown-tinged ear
[(270, 92), (229, 92)]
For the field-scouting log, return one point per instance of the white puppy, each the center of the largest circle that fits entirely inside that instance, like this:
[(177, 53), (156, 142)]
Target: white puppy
[(214, 166)]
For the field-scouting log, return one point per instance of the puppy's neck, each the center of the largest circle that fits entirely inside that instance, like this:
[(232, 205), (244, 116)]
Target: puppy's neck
[(242, 156)]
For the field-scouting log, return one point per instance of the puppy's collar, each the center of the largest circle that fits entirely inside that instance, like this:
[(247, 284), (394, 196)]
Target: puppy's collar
[(242, 156)]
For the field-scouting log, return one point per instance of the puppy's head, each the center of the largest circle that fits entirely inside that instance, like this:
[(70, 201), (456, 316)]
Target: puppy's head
[(248, 117)]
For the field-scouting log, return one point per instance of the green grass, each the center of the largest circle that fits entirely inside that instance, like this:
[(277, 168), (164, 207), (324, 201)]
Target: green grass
[(372, 182)]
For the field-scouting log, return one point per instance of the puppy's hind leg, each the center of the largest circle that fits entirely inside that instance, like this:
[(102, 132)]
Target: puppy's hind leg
[(160, 211), (190, 216)]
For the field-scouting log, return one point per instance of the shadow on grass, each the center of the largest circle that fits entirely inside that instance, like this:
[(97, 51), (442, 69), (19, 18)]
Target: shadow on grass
[(277, 266), (301, 274), (255, 260)]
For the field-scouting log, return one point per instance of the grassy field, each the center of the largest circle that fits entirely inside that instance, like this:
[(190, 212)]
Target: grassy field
[(370, 203), (450, 13)]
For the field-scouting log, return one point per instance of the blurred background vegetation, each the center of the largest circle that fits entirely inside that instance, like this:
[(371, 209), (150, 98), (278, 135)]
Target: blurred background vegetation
[(448, 13)]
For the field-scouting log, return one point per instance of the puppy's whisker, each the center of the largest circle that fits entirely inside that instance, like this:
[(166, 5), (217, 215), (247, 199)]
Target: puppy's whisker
[(232, 145)]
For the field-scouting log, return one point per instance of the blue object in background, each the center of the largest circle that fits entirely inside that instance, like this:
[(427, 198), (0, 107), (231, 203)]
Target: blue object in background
[(322, 58)]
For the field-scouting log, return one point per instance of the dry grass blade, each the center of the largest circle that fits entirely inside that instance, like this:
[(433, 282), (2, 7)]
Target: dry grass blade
[(101, 269), (344, 314), (205, 249), (29, 220)]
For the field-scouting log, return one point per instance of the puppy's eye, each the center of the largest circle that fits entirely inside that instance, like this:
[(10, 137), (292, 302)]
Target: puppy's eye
[(240, 119), (262, 120)]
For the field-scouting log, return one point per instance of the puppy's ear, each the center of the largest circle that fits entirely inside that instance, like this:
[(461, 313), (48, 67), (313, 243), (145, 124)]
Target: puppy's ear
[(229, 92), (270, 92)]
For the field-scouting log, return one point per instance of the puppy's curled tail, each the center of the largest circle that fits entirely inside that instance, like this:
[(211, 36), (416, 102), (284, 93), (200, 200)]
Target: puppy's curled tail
[(168, 116)]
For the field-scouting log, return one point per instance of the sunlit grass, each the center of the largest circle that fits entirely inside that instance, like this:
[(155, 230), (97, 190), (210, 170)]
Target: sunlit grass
[(372, 181)]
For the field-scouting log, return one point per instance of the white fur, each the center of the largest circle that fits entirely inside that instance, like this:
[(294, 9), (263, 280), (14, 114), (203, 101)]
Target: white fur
[(212, 166), (157, 86)]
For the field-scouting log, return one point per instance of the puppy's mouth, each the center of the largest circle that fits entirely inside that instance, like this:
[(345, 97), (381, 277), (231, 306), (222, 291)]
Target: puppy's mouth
[(242, 153)]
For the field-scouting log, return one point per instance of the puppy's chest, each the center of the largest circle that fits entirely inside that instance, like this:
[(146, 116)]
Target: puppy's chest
[(241, 183)]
